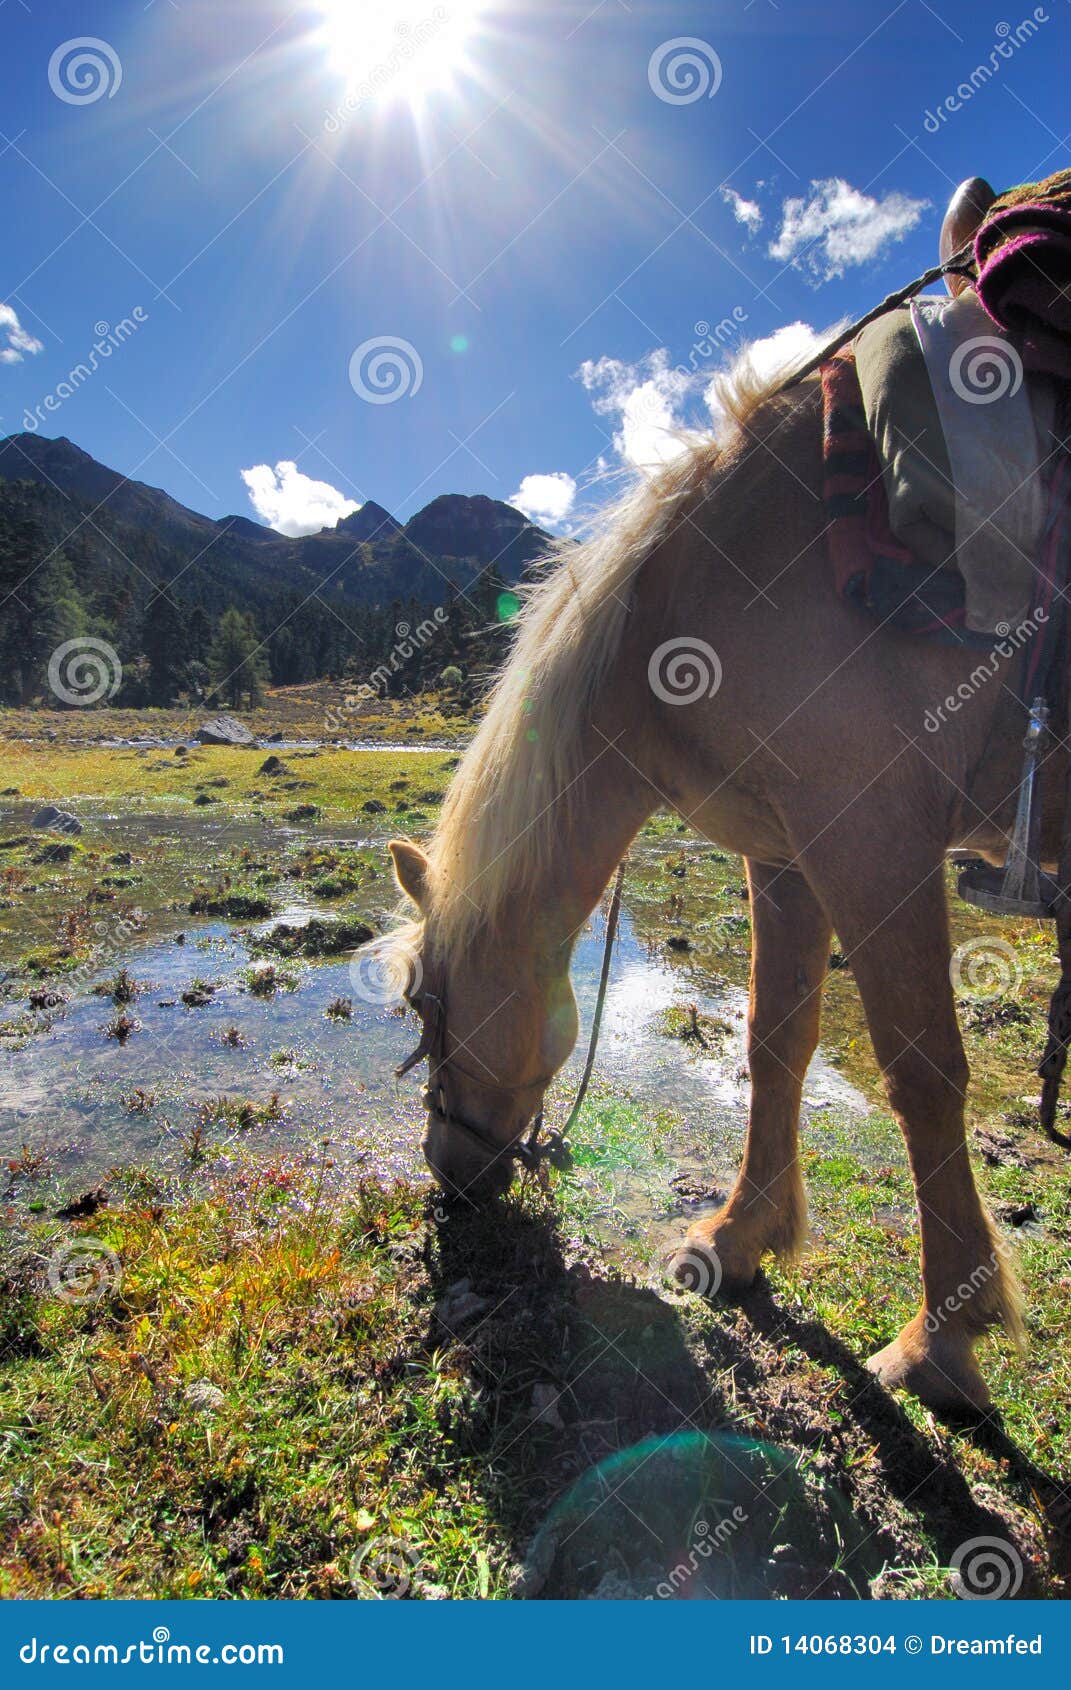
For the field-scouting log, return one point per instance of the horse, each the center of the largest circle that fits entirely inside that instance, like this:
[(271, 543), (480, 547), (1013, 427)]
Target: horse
[(692, 654)]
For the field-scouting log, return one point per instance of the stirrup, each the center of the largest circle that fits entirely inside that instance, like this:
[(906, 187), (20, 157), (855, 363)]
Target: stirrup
[(1020, 887)]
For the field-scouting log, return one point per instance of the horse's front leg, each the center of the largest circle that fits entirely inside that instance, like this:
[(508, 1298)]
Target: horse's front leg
[(767, 1209), (893, 926)]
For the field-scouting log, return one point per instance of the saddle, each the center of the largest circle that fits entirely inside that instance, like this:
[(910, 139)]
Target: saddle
[(961, 396), (945, 523)]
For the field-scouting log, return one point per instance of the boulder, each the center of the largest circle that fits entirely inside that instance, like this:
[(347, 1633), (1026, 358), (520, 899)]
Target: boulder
[(204, 1397), (56, 821), (224, 730)]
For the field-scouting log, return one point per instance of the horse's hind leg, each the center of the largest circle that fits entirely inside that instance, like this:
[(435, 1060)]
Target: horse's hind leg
[(894, 931), (767, 1209)]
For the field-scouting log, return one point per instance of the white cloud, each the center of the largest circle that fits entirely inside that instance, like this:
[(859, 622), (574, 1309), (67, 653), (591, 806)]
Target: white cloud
[(646, 400), (292, 502), (775, 354), (18, 339), (650, 398), (838, 225), (747, 212), (545, 498)]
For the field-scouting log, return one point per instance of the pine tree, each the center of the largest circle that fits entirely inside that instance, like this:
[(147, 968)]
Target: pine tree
[(164, 645), (235, 662)]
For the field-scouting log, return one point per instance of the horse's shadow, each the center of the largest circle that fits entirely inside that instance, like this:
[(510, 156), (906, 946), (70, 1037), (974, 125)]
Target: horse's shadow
[(607, 1417)]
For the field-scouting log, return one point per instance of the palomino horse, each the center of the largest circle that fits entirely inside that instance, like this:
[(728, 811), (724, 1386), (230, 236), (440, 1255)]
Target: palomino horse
[(798, 737)]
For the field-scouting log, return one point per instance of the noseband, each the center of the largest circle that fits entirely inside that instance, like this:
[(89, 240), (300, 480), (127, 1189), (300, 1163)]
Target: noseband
[(530, 1148), (535, 1144)]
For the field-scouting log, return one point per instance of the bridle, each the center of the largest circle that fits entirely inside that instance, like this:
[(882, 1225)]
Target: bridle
[(536, 1144), (529, 1148)]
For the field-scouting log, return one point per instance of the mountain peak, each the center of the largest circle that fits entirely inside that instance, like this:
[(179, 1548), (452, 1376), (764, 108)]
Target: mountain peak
[(471, 525), (369, 522)]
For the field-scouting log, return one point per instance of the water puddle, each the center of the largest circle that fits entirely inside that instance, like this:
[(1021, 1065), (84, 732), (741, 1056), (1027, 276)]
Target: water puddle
[(91, 1103)]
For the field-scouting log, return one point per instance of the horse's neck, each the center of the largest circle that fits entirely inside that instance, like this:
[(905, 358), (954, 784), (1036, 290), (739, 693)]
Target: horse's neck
[(600, 816)]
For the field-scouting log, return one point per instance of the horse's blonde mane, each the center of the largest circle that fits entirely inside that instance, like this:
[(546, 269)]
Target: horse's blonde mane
[(510, 795)]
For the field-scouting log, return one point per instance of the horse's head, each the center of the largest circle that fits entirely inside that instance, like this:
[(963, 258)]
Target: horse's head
[(499, 1020)]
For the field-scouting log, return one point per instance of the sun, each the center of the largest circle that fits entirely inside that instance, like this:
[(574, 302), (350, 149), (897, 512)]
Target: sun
[(398, 49)]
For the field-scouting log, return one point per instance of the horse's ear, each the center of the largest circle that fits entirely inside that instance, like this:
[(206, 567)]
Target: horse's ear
[(966, 208), (410, 869)]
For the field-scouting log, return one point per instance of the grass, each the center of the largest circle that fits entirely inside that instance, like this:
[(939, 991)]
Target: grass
[(332, 1407), (331, 1410)]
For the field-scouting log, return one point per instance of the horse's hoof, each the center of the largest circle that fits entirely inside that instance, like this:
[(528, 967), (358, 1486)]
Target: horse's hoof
[(697, 1268), (943, 1375), (718, 1255)]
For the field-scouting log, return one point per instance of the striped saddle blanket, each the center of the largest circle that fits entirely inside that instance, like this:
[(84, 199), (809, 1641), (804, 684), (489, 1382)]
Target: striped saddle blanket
[(876, 573)]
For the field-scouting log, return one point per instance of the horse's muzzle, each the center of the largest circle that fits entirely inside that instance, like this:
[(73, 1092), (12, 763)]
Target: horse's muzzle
[(465, 1172)]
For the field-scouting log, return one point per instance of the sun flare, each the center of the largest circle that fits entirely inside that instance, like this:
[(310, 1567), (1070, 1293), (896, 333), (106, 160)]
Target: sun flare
[(398, 48)]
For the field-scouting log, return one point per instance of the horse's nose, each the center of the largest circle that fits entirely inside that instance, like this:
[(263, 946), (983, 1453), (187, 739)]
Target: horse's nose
[(462, 1172)]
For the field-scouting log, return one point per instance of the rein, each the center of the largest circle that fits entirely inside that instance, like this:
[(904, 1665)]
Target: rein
[(958, 265), (535, 1144)]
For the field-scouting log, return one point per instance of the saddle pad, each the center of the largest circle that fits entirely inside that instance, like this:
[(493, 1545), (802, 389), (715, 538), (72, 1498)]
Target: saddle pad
[(876, 574), (997, 429)]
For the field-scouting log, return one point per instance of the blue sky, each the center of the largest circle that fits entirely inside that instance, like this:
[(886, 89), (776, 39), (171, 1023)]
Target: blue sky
[(499, 197)]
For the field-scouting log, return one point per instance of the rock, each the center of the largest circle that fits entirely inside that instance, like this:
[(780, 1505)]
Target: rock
[(83, 1207), (224, 730), (689, 1189), (545, 1406), (1016, 1214), (57, 853), (459, 1305), (56, 821), (205, 1397)]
